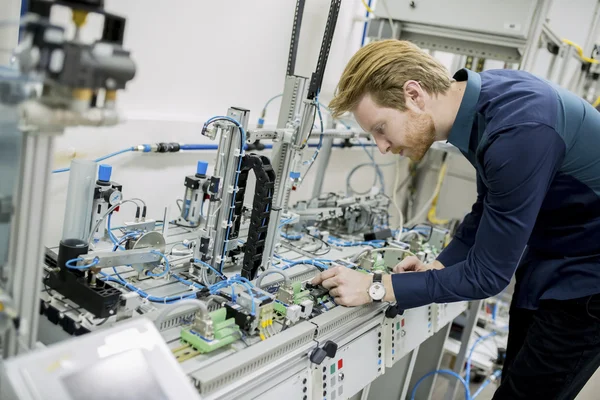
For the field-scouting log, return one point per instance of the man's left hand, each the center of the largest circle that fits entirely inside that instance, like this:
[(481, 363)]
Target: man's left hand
[(348, 287)]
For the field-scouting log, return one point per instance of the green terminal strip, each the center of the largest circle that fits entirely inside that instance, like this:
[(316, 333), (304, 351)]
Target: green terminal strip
[(280, 308), (225, 333), (299, 294)]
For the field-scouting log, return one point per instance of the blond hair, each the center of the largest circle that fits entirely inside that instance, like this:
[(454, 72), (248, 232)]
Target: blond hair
[(381, 69)]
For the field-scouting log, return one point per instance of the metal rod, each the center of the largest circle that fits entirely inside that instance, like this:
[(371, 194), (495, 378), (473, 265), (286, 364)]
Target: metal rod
[(535, 31), (27, 245), (322, 163), (461, 357)]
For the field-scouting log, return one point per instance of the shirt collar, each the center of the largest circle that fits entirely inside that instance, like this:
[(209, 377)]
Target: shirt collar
[(460, 133)]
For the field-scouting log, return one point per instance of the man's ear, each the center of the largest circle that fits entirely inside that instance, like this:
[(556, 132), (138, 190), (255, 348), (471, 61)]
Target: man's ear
[(414, 95)]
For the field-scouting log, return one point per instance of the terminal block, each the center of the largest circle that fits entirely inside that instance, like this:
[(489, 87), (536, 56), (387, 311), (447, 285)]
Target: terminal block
[(219, 330)]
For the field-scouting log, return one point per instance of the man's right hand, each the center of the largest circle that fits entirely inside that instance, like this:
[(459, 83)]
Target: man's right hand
[(413, 264)]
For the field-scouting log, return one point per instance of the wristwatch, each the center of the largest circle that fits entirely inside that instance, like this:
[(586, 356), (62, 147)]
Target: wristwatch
[(377, 289)]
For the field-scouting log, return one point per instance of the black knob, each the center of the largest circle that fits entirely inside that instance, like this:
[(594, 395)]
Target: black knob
[(393, 311), (317, 355), (330, 348)]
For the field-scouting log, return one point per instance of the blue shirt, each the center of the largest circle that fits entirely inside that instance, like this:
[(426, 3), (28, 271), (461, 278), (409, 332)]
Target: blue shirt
[(536, 150)]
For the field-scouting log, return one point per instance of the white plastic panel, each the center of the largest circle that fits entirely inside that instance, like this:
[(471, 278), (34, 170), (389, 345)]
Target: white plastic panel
[(506, 17), (417, 328), (295, 388), (355, 366)]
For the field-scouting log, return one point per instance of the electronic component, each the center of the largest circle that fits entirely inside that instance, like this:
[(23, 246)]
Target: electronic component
[(294, 312), (196, 191), (210, 332), (240, 315), (106, 195)]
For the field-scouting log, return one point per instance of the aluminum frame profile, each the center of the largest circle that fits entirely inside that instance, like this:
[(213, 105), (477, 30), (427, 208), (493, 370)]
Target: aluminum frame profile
[(222, 373)]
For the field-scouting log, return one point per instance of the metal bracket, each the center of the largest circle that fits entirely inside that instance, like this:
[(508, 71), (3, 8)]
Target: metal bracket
[(107, 259)]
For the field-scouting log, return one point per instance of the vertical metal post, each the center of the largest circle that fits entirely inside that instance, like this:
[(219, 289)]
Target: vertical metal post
[(592, 35), (322, 163), (290, 116), (9, 37), (567, 55), (534, 34), (230, 164), (26, 244), (461, 357), (429, 359), (551, 66)]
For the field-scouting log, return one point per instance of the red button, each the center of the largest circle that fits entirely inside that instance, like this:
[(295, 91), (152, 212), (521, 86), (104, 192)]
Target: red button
[(402, 322), (340, 363)]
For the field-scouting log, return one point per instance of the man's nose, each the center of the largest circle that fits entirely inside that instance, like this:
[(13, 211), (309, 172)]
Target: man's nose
[(383, 146)]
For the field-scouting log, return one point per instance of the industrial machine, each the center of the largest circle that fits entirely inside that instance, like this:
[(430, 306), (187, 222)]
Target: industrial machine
[(226, 285)]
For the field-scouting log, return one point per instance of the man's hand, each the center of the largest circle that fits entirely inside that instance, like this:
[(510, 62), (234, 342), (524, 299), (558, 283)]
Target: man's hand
[(348, 287), (413, 264)]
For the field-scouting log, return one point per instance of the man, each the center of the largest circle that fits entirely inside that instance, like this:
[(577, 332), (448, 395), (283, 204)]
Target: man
[(536, 150)]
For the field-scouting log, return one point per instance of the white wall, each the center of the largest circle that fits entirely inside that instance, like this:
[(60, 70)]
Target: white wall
[(193, 65)]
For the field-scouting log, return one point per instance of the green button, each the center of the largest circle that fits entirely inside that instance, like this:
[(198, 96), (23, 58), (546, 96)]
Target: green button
[(398, 325), (332, 369)]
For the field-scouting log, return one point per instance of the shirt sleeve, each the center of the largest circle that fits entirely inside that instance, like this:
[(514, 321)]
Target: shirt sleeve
[(464, 237), (519, 164)]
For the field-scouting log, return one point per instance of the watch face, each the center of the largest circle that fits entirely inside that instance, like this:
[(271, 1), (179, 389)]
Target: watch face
[(377, 291)]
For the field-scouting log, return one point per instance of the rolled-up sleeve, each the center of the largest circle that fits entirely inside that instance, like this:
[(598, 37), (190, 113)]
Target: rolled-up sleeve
[(519, 164)]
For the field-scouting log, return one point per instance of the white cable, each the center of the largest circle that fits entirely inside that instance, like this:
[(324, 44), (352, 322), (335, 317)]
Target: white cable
[(387, 11), (91, 236), (423, 210), (272, 271), (427, 204), (395, 198), (182, 303)]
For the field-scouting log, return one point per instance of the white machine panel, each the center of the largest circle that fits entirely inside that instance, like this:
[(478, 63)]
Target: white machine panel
[(417, 327), (129, 361), (355, 365), (507, 17), (445, 313), (295, 388)]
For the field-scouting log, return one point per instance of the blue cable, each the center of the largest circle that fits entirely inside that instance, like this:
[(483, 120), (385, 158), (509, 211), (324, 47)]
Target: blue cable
[(209, 267), (70, 264), (111, 235), (443, 372), (364, 34), (145, 295), (248, 287), (167, 265), (494, 376), (479, 339), (342, 243), (317, 264), (186, 282), (375, 165), (261, 120), (291, 237), (116, 153)]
